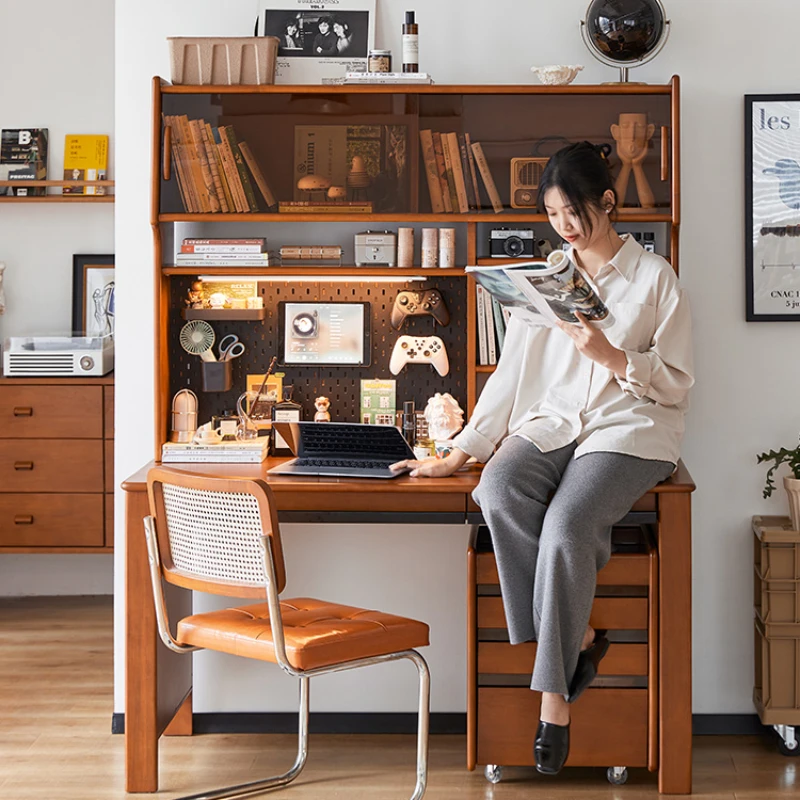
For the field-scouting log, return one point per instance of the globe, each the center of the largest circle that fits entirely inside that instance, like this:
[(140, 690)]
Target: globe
[(625, 33)]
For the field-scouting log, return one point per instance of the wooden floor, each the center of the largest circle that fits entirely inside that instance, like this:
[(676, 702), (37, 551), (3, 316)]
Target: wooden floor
[(56, 701)]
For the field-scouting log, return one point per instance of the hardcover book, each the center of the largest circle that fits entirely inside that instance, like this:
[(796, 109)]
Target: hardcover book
[(23, 157), (85, 159)]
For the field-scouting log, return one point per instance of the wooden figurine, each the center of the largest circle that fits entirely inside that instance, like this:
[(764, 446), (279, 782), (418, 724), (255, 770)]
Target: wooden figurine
[(194, 297), (322, 404), (632, 136)]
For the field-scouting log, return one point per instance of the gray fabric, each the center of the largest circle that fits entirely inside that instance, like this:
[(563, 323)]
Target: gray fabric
[(550, 517)]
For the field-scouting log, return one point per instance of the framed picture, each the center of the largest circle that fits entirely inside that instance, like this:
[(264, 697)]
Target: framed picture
[(319, 41), (93, 295), (772, 207)]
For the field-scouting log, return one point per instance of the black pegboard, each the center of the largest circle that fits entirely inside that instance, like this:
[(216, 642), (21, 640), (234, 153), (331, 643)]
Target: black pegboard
[(342, 385)]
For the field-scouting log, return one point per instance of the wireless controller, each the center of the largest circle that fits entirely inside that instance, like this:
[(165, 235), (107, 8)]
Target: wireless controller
[(428, 301), (419, 350)]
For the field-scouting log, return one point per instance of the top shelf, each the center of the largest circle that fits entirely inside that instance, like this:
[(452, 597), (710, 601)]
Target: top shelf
[(486, 216)]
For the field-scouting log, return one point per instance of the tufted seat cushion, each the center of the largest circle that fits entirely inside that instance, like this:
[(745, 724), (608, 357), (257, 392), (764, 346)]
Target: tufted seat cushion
[(317, 633)]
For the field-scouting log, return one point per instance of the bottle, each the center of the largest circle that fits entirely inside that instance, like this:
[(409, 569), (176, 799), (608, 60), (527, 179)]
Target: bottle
[(285, 411), (410, 44), (409, 423)]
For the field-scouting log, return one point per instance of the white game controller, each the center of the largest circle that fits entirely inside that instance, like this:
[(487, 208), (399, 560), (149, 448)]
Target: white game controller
[(419, 350)]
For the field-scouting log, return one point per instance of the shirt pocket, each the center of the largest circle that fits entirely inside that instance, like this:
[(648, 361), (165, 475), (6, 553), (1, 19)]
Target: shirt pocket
[(634, 326)]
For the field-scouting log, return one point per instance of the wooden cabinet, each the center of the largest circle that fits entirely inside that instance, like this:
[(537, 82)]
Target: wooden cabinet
[(56, 465)]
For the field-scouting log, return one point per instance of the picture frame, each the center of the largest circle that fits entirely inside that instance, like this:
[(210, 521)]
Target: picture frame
[(772, 207), (93, 288), (309, 53)]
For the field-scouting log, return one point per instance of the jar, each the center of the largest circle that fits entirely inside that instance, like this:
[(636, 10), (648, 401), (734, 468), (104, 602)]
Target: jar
[(379, 61)]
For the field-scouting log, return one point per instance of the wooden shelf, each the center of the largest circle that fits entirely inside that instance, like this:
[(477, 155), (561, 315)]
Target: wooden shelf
[(357, 273), (485, 368), (220, 314), (62, 198)]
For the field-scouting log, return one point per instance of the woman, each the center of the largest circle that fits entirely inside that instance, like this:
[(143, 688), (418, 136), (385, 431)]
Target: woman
[(586, 420), (343, 35), (290, 36)]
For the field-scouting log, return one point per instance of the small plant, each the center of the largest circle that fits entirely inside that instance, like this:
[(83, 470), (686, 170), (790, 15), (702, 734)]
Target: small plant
[(782, 456)]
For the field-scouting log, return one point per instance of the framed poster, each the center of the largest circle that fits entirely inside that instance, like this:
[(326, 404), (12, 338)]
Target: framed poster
[(93, 295), (321, 40), (772, 207)]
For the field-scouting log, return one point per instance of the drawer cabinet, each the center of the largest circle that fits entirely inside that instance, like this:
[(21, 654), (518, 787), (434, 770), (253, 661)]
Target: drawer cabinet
[(56, 464)]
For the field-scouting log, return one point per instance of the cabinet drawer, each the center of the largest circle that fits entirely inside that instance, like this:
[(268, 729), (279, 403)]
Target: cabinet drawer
[(608, 727), (51, 465), (503, 658), (68, 412), (612, 613), (51, 520)]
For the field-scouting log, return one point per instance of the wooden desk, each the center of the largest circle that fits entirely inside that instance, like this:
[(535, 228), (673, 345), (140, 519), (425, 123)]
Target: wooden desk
[(158, 682)]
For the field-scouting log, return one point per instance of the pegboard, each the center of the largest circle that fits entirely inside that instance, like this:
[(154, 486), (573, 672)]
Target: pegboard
[(341, 384)]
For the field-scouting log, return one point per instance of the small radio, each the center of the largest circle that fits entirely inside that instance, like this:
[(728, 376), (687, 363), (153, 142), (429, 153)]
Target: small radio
[(525, 176), (376, 248)]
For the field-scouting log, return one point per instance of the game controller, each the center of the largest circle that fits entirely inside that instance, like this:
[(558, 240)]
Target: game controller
[(419, 350), (427, 301)]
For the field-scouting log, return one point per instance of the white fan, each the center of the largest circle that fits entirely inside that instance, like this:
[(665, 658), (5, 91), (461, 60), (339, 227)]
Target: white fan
[(197, 337)]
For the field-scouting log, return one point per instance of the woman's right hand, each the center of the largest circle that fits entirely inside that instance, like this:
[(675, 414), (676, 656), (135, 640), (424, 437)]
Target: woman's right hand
[(434, 467)]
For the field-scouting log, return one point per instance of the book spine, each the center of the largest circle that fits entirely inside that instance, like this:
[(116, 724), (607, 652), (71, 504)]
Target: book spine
[(212, 255), (223, 178), (448, 169), (473, 172), (211, 159), (221, 262), (431, 171), (438, 153), (201, 458), (258, 175), (238, 160), (490, 340), (462, 150), (194, 165), (205, 168), (499, 324), (458, 175), (228, 249), (259, 242), (231, 172), (488, 181), (483, 351), (366, 208), (181, 168)]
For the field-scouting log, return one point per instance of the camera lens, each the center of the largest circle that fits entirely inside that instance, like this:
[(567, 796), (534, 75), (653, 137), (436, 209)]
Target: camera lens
[(513, 246)]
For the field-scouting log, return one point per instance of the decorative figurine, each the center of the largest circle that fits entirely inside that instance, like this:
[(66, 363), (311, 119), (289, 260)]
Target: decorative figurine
[(314, 187), (2, 293), (445, 416), (632, 136), (322, 404), (194, 297), (358, 179), (337, 193)]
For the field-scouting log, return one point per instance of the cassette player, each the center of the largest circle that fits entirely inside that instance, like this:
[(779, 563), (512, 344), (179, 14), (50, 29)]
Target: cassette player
[(67, 356), (378, 248)]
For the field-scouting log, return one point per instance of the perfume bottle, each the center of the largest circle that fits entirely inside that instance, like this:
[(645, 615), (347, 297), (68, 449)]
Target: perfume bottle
[(285, 411), (409, 423), (410, 44)]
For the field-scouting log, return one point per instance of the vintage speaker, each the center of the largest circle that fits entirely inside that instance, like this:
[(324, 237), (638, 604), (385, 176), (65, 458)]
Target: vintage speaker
[(525, 176)]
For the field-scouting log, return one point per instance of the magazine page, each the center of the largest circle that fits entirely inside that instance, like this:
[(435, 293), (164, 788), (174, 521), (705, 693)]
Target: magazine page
[(497, 282)]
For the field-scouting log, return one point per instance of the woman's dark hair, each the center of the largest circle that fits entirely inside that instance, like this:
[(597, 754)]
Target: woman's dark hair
[(580, 172)]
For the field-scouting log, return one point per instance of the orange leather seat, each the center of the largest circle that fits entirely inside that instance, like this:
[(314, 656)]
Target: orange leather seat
[(317, 633)]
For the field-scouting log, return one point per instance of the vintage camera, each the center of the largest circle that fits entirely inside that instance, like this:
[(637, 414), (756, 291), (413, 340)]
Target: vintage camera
[(511, 243), (376, 248)]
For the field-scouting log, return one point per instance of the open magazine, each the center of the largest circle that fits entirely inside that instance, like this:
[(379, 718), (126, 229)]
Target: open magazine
[(541, 292)]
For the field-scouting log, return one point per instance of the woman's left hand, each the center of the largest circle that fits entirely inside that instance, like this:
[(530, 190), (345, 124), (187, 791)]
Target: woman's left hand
[(592, 343)]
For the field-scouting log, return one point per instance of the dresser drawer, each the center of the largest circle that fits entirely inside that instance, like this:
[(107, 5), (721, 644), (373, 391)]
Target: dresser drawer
[(51, 465), (51, 520), (68, 412)]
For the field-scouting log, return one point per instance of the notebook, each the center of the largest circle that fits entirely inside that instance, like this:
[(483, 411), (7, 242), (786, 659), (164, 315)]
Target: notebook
[(344, 449)]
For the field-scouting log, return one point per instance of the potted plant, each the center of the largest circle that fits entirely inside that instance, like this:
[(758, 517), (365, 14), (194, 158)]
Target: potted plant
[(791, 484)]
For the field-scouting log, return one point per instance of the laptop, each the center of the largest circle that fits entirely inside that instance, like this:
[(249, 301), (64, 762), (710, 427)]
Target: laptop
[(342, 449)]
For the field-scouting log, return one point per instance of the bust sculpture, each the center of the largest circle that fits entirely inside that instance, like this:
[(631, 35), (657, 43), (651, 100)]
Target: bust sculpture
[(444, 415)]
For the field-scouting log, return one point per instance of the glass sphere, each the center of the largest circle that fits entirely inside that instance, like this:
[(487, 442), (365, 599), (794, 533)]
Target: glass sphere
[(625, 31)]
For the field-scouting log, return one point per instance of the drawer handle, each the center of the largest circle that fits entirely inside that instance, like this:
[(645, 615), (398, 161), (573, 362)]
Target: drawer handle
[(23, 519), (23, 466), (23, 411)]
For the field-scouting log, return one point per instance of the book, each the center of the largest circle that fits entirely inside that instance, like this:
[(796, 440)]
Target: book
[(258, 176), (209, 189), (216, 255), (488, 180), (442, 170), (458, 174), (222, 261), (85, 159), (543, 292), (247, 451), (333, 207), (387, 77), (212, 158), (449, 175), (499, 324), (378, 401), (223, 179), (473, 172), (431, 171), (483, 345), (231, 172), (23, 157), (241, 167), (491, 346), (179, 159), (191, 155), (227, 246)]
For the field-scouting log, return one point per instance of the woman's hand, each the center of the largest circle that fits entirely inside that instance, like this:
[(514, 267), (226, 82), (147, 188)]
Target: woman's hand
[(434, 467), (592, 343)]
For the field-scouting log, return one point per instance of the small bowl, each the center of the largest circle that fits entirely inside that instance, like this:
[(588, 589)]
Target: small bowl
[(557, 74)]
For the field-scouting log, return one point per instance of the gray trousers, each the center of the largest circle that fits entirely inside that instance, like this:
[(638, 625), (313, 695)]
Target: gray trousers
[(550, 517)]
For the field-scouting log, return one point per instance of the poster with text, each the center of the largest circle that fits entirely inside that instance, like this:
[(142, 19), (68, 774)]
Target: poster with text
[(772, 174)]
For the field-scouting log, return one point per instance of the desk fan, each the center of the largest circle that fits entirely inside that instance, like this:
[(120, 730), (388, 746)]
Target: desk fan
[(197, 337)]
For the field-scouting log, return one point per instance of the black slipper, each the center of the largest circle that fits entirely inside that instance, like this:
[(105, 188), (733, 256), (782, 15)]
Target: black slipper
[(588, 661), (551, 747)]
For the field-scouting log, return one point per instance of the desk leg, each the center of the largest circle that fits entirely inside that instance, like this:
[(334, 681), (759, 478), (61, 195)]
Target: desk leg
[(675, 650)]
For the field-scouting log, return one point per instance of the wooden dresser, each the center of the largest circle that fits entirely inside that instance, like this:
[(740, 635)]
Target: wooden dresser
[(57, 465)]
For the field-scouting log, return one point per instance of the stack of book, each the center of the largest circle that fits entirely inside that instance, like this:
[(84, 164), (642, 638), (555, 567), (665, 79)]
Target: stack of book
[(492, 323), (249, 451), (415, 78), (223, 253), (452, 165), (216, 172)]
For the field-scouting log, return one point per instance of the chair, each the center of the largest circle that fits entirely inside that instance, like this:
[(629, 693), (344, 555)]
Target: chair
[(222, 536)]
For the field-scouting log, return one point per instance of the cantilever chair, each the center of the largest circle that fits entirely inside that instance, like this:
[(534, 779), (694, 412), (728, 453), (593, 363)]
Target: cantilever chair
[(221, 536)]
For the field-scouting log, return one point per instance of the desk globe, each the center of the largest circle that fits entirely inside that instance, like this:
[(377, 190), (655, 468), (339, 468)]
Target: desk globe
[(625, 33)]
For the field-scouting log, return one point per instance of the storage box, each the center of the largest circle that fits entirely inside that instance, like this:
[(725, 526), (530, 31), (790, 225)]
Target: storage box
[(776, 693), (222, 60), (776, 564)]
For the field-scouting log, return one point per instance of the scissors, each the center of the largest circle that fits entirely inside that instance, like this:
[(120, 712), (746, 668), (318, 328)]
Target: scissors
[(230, 347)]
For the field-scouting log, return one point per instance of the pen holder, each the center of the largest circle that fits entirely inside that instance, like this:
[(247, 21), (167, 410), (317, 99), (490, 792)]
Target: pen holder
[(217, 376)]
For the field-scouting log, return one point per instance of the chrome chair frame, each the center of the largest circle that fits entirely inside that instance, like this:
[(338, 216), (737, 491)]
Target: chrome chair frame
[(279, 644)]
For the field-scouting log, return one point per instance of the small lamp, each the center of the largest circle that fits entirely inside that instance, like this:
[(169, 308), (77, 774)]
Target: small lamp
[(184, 416)]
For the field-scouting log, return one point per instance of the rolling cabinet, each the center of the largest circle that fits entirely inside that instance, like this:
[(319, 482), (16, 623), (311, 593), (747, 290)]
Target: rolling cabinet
[(622, 702), (56, 465)]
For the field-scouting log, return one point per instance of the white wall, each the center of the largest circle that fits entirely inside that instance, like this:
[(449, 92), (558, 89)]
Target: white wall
[(66, 86), (745, 399)]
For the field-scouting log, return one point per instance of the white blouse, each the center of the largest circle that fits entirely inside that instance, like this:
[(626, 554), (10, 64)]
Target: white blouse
[(545, 390)]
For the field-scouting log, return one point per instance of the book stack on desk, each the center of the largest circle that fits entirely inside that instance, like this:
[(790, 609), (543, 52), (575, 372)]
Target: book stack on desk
[(223, 253), (251, 451)]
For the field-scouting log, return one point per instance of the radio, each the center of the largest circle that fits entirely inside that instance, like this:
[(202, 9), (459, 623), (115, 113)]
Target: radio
[(33, 356), (507, 243), (525, 176), (376, 247)]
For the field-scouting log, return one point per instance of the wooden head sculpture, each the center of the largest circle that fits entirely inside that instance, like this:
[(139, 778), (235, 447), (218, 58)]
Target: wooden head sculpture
[(632, 136)]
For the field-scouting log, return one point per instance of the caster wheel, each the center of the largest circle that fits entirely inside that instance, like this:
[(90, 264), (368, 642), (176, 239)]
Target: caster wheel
[(493, 773), (617, 775), (786, 749)]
